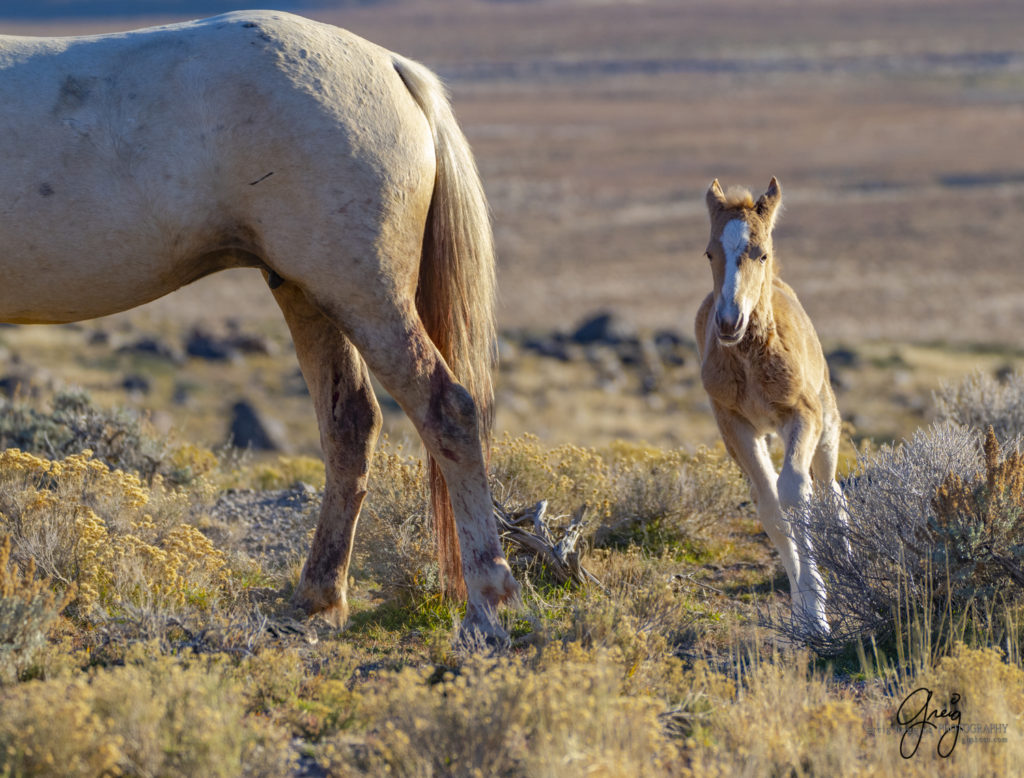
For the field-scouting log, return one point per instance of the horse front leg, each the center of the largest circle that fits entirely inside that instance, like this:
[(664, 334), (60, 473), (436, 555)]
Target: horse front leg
[(349, 420), (801, 434)]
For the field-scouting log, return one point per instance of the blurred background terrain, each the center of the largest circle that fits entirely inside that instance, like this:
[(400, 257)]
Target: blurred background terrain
[(894, 128)]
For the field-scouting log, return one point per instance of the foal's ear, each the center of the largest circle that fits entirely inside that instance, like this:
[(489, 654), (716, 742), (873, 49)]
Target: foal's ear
[(768, 204), (715, 198)]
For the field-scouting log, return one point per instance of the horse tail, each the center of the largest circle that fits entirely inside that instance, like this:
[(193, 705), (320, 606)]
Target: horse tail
[(455, 297)]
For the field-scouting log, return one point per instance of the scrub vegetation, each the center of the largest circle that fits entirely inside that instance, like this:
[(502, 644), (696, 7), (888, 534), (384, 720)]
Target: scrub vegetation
[(139, 635)]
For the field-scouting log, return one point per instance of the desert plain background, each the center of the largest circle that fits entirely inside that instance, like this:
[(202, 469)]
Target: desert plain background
[(894, 127)]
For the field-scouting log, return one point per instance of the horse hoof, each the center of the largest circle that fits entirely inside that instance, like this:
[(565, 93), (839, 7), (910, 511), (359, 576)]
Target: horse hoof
[(809, 615), (496, 585), (326, 602), (483, 633)]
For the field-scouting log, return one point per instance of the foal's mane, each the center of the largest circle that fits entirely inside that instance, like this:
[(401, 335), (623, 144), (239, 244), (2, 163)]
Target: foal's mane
[(739, 197)]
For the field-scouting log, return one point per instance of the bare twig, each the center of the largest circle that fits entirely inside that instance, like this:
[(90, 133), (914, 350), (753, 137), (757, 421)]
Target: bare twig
[(688, 577), (561, 557)]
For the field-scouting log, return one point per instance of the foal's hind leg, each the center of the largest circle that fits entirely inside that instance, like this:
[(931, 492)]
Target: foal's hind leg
[(826, 456), (349, 420), (801, 434)]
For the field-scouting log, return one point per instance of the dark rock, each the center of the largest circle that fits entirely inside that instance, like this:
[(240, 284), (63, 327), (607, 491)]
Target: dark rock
[(152, 346), (18, 384), (842, 357), (247, 342), (250, 343), (553, 346), (604, 327), (202, 345), (666, 338), (630, 351), (838, 361), (98, 338), (133, 382), (180, 394), (672, 347), (249, 429)]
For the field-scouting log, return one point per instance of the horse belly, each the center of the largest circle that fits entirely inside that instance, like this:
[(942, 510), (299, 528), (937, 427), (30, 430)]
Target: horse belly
[(73, 256)]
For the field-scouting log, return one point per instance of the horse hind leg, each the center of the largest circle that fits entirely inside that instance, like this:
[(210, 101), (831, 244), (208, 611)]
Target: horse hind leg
[(391, 338), (349, 420)]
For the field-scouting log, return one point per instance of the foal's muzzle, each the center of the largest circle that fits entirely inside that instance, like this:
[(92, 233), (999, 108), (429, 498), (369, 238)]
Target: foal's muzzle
[(730, 331)]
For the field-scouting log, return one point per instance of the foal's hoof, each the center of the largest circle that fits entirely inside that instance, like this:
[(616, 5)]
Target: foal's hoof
[(327, 602), (809, 617)]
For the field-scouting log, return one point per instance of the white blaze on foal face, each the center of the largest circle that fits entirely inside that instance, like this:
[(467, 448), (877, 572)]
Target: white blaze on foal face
[(742, 275), (735, 238)]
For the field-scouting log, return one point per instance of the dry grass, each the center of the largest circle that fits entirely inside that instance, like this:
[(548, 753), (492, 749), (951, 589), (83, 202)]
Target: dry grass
[(657, 672), (634, 493), (785, 717)]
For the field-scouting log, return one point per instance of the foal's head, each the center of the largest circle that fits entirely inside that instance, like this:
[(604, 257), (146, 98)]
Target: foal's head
[(740, 251)]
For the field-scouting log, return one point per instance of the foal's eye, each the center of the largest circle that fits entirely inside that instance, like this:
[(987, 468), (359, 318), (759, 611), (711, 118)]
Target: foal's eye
[(764, 257)]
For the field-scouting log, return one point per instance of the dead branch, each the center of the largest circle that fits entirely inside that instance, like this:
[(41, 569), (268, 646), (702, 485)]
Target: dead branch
[(561, 557)]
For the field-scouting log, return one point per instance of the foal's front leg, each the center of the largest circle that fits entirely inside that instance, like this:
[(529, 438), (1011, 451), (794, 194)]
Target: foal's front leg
[(750, 450), (801, 434)]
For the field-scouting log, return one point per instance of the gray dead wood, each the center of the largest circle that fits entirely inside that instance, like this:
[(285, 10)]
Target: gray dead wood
[(528, 530)]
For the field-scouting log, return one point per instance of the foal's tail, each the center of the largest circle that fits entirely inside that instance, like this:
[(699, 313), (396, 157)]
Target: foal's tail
[(456, 293)]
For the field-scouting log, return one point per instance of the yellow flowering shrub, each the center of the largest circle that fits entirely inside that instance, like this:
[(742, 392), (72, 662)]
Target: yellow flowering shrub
[(504, 717), (288, 471), (100, 529), (188, 462), (567, 476), (28, 610), (394, 543), (635, 492), (154, 716)]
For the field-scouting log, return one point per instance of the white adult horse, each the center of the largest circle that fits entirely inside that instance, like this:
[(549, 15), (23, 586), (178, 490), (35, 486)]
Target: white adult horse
[(136, 163)]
